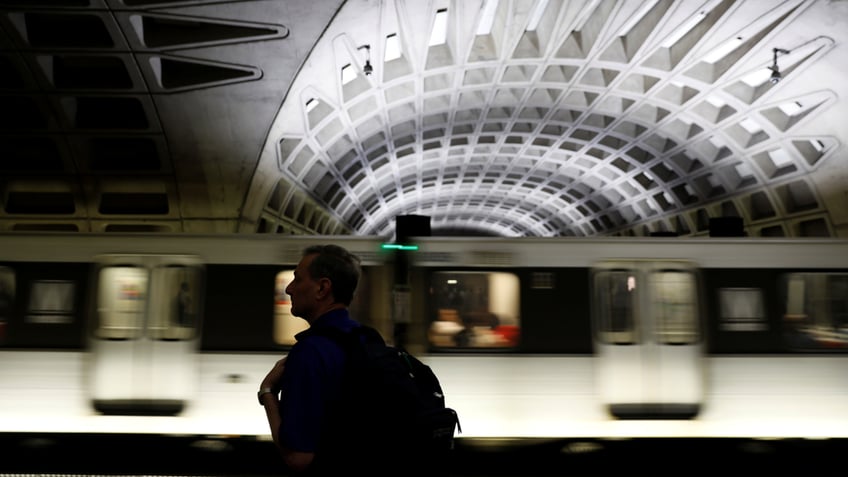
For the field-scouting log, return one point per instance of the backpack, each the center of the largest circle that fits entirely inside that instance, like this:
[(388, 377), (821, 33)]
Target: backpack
[(391, 416)]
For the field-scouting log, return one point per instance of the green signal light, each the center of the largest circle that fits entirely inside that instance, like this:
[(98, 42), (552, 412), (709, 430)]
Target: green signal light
[(398, 246)]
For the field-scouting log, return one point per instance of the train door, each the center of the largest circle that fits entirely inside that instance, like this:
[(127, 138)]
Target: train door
[(647, 337), (145, 334)]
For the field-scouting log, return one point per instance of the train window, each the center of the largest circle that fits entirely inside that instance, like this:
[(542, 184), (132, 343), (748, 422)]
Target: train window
[(475, 310), (7, 299), (615, 296), (51, 301), (542, 281), (121, 302), (816, 315), (175, 308), (742, 309), (675, 303)]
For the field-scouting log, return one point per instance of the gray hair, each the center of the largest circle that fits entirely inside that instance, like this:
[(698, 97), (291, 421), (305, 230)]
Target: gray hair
[(341, 267)]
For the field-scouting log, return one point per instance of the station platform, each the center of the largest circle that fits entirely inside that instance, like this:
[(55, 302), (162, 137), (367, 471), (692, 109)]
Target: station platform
[(173, 455)]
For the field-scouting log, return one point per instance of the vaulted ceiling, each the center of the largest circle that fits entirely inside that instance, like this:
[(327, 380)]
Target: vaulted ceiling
[(493, 117)]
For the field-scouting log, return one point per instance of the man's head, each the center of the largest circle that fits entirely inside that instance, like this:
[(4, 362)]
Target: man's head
[(325, 279)]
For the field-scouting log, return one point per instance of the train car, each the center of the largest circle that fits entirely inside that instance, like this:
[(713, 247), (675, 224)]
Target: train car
[(144, 334), (645, 337), (532, 338), (128, 332)]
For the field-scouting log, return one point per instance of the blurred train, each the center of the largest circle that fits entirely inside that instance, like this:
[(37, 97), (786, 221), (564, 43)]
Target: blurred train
[(531, 337)]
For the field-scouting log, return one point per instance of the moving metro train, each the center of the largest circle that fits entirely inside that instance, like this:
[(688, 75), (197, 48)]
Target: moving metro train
[(531, 337)]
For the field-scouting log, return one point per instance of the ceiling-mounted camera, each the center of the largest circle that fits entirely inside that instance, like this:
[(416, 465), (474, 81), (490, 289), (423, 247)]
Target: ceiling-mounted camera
[(367, 68), (776, 76)]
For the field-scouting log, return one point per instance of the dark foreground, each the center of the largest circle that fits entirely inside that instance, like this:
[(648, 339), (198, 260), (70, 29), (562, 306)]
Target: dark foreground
[(151, 455)]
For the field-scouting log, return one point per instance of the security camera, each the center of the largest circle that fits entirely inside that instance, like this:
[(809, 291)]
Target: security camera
[(367, 69), (775, 70)]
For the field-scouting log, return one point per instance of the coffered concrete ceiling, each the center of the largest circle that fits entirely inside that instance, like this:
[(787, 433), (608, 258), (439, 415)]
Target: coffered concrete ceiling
[(493, 117)]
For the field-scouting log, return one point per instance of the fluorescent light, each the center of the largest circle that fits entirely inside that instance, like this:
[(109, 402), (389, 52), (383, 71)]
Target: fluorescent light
[(791, 108), (689, 24), (488, 17), (637, 17), (311, 104), (536, 16), (348, 74), (723, 50), (439, 34), (392, 48)]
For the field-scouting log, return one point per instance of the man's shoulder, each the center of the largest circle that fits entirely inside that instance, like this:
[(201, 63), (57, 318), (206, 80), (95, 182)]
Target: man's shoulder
[(328, 340), (334, 321), (354, 337), (313, 341)]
